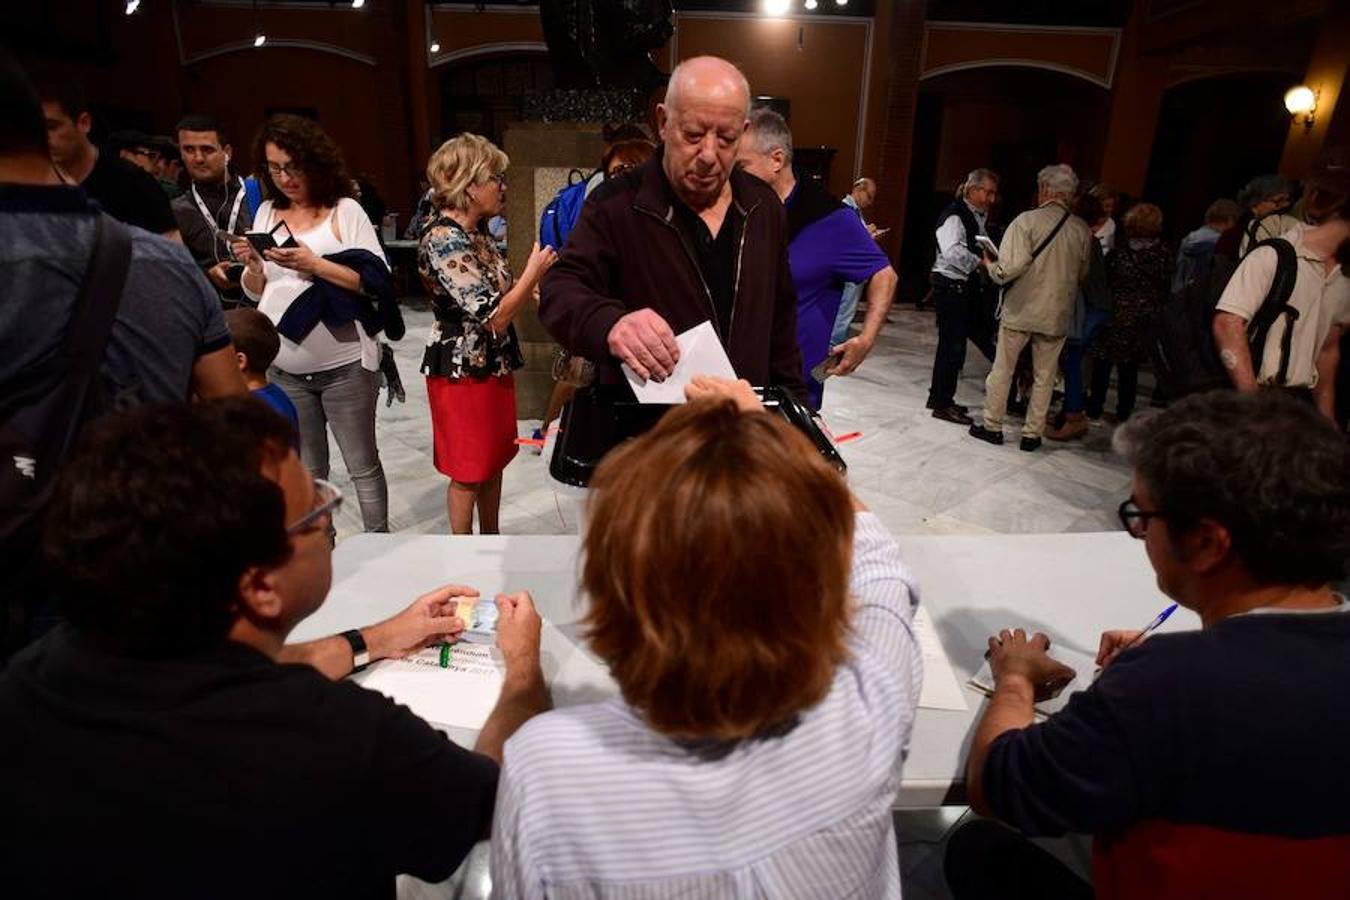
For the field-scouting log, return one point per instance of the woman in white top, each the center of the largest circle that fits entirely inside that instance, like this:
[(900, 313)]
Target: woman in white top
[(332, 372)]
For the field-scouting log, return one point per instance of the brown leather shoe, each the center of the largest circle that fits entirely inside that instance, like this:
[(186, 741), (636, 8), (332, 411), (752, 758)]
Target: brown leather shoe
[(953, 414), (1074, 427)]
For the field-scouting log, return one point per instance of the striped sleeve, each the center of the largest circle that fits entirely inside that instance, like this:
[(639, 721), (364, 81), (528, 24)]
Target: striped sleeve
[(885, 590), (511, 876)]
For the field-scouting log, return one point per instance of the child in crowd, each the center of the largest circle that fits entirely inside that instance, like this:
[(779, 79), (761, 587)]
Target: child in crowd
[(257, 343)]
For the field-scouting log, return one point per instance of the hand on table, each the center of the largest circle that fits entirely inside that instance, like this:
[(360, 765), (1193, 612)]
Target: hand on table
[(429, 620), (1013, 654), (1112, 643), (708, 387), (851, 354), (299, 258), (518, 629), (643, 341)]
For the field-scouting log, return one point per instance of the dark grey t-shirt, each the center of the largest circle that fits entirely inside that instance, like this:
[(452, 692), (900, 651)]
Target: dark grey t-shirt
[(168, 318)]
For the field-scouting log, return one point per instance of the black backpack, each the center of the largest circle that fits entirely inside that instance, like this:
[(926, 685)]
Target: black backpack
[(1185, 357), (42, 413)]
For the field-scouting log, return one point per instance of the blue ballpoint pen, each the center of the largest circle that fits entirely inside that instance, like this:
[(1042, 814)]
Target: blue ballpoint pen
[(1152, 626)]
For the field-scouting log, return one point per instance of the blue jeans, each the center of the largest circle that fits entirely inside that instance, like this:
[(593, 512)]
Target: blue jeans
[(848, 305), (342, 399), (1073, 360)]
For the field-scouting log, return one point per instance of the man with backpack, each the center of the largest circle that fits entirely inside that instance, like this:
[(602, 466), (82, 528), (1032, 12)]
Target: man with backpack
[(94, 315), (1294, 344)]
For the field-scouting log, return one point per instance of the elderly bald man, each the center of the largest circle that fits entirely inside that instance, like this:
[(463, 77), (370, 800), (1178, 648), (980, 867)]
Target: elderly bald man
[(686, 238)]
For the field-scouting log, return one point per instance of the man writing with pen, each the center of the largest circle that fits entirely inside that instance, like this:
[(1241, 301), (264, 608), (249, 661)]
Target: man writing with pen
[(1204, 763)]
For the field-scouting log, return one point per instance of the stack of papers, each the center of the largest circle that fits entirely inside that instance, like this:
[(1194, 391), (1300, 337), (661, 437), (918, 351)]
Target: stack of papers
[(941, 690)]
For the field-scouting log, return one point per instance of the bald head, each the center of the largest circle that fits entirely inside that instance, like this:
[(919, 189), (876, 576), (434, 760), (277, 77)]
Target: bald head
[(702, 122), (708, 79), (864, 192)]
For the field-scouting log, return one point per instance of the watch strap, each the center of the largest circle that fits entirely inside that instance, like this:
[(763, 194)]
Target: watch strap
[(360, 655)]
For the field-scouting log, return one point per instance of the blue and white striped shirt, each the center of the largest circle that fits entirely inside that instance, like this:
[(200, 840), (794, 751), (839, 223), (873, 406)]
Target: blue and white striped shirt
[(594, 804)]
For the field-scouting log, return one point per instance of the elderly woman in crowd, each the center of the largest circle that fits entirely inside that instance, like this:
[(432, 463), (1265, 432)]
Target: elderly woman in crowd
[(317, 286), (756, 749), (1139, 273), (472, 349)]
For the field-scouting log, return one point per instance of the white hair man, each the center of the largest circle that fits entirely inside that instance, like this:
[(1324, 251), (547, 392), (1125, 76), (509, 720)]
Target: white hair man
[(959, 289), (682, 240), (1042, 260), (827, 247)]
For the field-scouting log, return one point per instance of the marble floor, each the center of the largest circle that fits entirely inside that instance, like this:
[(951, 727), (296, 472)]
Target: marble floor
[(920, 475)]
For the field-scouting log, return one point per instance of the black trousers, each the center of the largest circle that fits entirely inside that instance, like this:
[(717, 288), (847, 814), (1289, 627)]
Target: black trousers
[(1127, 386), (986, 860), (960, 317)]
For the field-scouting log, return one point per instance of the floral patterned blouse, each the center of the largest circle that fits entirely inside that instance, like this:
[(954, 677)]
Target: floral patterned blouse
[(466, 278)]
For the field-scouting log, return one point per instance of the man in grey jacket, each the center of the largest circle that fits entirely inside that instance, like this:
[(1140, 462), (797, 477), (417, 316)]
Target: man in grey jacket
[(1041, 262)]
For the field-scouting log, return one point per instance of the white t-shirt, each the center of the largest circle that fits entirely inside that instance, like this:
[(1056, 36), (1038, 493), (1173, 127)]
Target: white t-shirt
[(1322, 300), (320, 350)]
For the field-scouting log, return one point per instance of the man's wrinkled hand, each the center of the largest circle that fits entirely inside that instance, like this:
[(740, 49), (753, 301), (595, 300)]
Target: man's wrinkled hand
[(643, 341), (852, 353), (1013, 655)]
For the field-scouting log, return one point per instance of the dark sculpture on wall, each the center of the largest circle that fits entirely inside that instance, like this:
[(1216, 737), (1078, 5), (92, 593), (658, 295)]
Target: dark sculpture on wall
[(606, 43)]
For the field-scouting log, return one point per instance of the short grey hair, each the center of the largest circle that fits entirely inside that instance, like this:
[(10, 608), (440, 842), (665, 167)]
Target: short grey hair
[(1058, 181), (769, 131), (976, 178), (1265, 187)]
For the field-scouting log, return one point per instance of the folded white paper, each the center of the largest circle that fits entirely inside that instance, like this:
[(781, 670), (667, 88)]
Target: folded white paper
[(701, 353), (941, 690)]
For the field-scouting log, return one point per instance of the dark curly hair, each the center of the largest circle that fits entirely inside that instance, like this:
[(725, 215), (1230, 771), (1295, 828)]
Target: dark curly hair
[(310, 149), (1266, 466), (159, 514)]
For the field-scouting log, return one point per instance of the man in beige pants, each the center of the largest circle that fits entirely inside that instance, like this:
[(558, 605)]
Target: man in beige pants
[(1041, 261)]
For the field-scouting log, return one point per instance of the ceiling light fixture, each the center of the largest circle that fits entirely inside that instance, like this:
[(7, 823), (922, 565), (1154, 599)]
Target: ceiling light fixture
[(260, 39), (132, 6), (1302, 101), (841, 2), (810, 4), (777, 7), (357, 4), (435, 46)]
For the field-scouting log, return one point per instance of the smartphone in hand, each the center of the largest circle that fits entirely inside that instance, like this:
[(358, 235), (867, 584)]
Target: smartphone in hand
[(985, 243), (280, 236), (827, 365)]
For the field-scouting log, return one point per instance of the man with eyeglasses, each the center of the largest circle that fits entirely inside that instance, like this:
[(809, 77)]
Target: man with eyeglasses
[(215, 207), (1204, 763), (958, 291), (168, 734)]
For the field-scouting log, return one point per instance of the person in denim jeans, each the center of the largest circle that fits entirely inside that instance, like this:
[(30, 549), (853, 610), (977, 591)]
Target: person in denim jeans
[(331, 375)]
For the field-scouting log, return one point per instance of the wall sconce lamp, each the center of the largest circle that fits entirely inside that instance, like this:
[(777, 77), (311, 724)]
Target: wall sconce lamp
[(1302, 101)]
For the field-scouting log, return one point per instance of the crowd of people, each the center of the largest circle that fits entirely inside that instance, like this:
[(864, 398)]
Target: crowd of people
[(161, 726), (1069, 283)]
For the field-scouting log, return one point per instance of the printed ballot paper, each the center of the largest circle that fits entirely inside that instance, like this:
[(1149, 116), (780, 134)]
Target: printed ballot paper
[(941, 690), (1084, 664), (462, 693), (701, 353)]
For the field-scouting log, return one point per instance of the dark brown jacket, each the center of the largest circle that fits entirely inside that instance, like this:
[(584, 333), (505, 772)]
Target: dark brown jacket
[(627, 253)]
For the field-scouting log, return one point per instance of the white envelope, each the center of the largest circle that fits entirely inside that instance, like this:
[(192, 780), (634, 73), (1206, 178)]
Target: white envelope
[(701, 353)]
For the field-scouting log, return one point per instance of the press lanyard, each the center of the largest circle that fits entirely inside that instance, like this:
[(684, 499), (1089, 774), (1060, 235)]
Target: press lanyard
[(234, 213)]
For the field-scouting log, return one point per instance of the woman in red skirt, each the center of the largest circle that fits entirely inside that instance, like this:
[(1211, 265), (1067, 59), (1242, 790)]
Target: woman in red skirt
[(472, 348)]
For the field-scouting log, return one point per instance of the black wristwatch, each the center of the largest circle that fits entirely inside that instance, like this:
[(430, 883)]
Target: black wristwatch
[(360, 655)]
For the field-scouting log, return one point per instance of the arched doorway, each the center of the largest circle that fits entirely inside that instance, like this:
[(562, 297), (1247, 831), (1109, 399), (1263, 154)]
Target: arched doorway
[(1214, 135), (1014, 120), (483, 94)]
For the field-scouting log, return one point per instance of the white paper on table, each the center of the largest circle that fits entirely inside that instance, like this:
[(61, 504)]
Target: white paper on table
[(701, 353), (941, 690), (460, 695), (1085, 664), (463, 694)]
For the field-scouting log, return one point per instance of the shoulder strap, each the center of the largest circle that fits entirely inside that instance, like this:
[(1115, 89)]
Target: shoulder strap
[(1051, 236), (1274, 305), (100, 296)]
